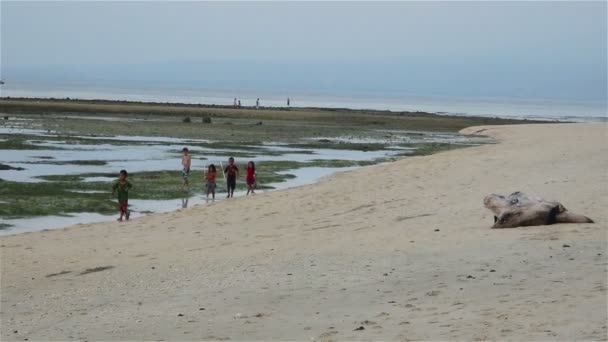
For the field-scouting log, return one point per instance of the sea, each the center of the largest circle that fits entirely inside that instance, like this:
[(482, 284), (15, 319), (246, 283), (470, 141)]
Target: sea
[(540, 109)]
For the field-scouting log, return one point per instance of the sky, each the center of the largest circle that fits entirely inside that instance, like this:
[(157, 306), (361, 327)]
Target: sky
[(553, 50)]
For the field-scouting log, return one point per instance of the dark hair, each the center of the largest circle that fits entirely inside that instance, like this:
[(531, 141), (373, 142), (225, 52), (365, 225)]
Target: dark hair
[(211, 168), (185, 149), (252, 165), (231, 159), (124, 172)]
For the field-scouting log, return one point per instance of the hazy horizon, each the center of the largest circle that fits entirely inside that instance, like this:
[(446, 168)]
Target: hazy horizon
[(553, 50)]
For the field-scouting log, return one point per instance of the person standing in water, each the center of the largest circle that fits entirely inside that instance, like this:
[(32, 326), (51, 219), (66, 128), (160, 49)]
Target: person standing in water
[(231, 171), (288, 102), (186, 163), (257, 103)]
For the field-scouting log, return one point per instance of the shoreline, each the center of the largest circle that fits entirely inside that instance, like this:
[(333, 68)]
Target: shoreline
[(407, 256), (43, 148), (197, 199)]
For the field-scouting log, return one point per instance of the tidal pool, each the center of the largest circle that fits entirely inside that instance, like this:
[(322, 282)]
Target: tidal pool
[(53, 154)]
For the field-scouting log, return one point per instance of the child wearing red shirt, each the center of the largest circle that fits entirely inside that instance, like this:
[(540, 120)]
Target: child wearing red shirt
[(250, 178)]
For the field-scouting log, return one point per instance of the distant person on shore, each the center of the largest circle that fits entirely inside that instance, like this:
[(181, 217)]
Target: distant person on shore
[(250, 178), (288, 102), (235, 102), (231, 171), (186, 162), (210, 176), (239, 104), (121, 189), (257, 103)]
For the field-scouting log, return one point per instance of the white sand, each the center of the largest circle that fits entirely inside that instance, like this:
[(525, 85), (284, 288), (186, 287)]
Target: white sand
[(359, 249)]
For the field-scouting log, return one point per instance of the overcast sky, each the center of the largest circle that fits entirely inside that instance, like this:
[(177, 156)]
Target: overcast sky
[(529, 49)]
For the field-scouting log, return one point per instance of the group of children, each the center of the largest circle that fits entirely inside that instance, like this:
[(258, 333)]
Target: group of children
[(231, 173)]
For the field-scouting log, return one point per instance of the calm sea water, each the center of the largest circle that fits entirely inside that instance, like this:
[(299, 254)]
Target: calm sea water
[(501, 107)]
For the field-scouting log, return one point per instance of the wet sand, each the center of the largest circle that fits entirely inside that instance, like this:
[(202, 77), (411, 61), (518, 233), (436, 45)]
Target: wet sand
[(387, 252)]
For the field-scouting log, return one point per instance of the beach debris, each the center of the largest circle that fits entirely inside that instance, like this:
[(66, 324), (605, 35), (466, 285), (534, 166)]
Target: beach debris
[(359, 328), (95, 269), (565, 245), (392, 302), (433, 293), (382, 314), (15, 331), (239, 315), (492, 270), (385, 274), (518, 210), (259, 315), (201, 309), (259, 123), (436, 230), (470, 277), (57, 274), (368, 322), (180, 315), (187, 120)]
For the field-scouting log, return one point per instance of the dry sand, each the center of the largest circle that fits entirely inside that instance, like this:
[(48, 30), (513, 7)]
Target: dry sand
[(403, 250)]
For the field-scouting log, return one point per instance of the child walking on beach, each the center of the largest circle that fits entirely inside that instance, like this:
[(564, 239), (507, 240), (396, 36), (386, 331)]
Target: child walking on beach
[(231, 171), (250, 177), (121, 188), (210, 176), (186, 161)]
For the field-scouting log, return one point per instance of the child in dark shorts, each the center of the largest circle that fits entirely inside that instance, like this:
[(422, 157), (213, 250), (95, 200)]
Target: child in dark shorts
[(121, 188), (186, 163), (231, 171)]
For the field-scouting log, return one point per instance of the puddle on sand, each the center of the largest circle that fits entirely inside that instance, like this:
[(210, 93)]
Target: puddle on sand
[(405, 137), (88, 191)]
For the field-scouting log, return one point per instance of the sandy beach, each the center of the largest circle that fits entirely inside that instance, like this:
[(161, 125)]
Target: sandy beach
[(400, 251)]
